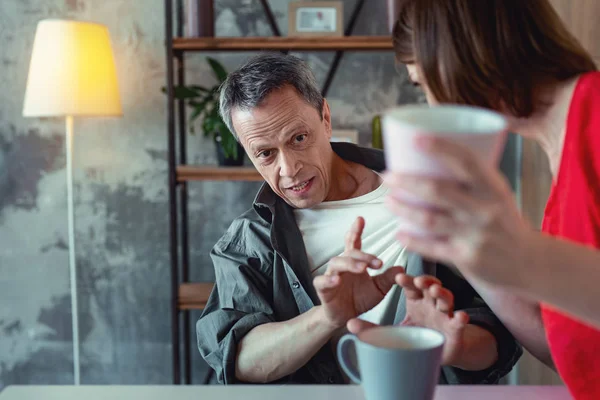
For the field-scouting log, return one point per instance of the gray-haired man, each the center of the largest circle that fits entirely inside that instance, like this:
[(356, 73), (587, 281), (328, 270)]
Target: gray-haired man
[(317, 250)]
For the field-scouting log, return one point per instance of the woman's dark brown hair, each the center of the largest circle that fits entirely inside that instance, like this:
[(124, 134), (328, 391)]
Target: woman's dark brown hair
[(488, 53)]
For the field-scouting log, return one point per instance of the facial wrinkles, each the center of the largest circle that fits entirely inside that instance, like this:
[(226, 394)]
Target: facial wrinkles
[(265, 130)]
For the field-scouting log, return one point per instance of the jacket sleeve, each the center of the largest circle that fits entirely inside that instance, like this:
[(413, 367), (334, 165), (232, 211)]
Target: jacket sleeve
[(239, 302), (469, 301)]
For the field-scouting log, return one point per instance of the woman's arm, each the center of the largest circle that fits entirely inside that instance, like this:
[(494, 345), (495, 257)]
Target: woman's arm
[(476, 226), (564, 274), (520, 315)]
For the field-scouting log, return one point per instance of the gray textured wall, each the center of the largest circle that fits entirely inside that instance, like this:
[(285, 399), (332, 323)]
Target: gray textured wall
[(121, 192)]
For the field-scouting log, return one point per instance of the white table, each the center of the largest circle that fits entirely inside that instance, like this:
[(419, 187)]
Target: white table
[(266, 393)]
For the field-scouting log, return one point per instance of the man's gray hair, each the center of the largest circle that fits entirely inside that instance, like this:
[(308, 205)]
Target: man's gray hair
[(250, 84)]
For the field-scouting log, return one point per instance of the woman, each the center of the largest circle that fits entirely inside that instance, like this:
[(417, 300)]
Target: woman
[(517, 58)]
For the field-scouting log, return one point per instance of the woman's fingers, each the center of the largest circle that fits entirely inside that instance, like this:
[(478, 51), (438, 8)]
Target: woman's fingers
[(465, 165), (434, 192), (450, 202), (428, 219), (432, 248)]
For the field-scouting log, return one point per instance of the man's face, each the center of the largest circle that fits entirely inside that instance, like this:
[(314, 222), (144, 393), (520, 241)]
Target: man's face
[(288, 143)]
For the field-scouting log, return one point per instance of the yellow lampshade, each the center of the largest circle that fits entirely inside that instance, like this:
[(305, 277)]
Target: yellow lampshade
[(72, 71)]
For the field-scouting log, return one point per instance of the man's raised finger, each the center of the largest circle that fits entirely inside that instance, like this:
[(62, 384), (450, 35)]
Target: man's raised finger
[(354, 236)]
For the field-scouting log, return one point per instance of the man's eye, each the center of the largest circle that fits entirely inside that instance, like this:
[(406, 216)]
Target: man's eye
[(265, 154), (300, 138), (416, 84)]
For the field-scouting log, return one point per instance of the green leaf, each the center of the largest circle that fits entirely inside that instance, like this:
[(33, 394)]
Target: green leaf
[(199, 88), (228, 142), (209, 126), (187, 92), (194, 103), (195, 114), (207, 99), (184, 92), (218, 69), (214, 113), (201, 107), (230, 146)]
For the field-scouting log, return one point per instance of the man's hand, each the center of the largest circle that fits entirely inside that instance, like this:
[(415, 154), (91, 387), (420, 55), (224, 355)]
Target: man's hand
[(430, 305), (347, 290)]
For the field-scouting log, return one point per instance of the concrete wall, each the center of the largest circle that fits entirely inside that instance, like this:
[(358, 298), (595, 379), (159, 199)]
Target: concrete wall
[(121, 192)]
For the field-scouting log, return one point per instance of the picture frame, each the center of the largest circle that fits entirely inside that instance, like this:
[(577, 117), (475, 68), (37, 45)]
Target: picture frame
[(344, 135), (316, 18)]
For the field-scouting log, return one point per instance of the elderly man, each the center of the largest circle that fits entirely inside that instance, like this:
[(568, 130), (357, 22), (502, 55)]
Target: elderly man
[(317, 250)]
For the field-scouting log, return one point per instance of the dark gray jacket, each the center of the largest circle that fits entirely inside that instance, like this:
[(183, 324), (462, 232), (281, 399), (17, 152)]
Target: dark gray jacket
[(262, 275)]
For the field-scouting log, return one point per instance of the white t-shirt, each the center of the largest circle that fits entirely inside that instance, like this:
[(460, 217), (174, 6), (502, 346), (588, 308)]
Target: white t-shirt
[(324, 228)]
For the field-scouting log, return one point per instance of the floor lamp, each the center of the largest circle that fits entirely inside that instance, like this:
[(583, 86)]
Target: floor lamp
[(72, 74)]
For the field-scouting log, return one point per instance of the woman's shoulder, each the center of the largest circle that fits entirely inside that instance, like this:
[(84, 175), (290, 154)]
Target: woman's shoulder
[(582, 142), (584, 114), (587, 92), (591, 78)]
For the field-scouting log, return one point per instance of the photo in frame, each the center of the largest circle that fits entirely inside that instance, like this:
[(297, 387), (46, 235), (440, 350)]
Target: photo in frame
[(344, 135), (315, 18)]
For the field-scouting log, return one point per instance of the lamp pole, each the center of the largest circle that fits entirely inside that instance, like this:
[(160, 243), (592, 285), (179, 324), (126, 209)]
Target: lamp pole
[(72, 262)]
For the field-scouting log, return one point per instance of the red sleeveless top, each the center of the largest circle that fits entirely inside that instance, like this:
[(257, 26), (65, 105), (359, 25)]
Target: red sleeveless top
[(573, 213)]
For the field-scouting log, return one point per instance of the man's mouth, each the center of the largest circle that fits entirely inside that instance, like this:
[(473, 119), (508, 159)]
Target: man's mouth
[(301, 186)]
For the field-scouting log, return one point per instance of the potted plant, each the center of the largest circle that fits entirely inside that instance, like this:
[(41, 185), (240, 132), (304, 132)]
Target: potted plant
[(204, 103)]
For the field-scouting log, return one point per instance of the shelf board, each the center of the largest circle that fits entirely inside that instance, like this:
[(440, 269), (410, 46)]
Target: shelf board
[(215, 173), (311, 43), (194, 296)]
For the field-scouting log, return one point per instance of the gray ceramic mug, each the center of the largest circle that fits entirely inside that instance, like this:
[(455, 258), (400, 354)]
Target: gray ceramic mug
[(394, 362)]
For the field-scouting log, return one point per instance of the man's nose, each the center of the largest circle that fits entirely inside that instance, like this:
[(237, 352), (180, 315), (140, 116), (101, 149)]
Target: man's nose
[(289, 165)]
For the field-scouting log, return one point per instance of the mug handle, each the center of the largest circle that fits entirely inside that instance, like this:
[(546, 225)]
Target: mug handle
[(343, 348)]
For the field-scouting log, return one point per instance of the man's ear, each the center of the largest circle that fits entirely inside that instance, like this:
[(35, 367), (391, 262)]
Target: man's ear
[(327, 119)]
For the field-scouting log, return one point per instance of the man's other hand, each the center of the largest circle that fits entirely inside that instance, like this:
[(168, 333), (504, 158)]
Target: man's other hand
[(346, 290)]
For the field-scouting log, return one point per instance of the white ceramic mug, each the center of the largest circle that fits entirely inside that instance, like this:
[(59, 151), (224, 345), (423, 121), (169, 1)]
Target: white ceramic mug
[(483, 131)]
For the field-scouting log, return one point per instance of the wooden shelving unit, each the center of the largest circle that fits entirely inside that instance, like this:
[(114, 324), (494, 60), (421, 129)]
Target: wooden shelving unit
[(193, 296), (208, 173), (186, 296), (344, 43)]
